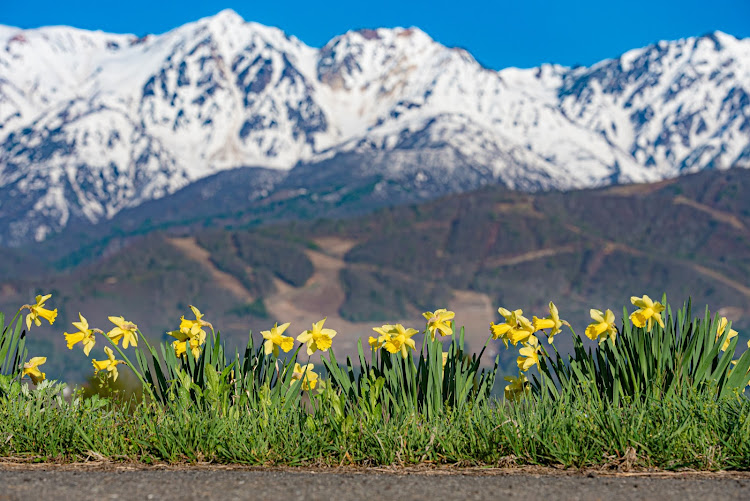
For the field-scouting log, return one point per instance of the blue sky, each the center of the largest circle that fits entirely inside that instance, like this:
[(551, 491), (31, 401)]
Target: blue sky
[(521, 33)]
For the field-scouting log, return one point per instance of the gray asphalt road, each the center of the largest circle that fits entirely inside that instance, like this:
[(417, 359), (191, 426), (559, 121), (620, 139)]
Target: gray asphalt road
[(187, 484)]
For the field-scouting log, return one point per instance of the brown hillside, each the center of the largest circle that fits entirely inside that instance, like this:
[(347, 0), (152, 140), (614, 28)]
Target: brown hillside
[(471, 253)]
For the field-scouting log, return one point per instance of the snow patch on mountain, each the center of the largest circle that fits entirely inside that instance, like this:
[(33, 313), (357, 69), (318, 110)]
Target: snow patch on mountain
[(92, 123)]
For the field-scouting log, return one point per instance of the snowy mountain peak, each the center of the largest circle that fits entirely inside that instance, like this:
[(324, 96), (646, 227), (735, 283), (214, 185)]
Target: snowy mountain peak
[(227, 17), (92, 123)]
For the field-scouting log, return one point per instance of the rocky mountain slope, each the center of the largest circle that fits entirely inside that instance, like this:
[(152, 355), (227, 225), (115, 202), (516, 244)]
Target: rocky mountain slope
[(92, 123)]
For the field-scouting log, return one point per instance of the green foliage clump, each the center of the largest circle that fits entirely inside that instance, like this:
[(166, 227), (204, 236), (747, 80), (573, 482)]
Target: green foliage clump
[(685, 355), (653, 393)]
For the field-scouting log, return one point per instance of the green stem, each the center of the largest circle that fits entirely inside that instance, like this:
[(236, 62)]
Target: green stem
[(127, 361)]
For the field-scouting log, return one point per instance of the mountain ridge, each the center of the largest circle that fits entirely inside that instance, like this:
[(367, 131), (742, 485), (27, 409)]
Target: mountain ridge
[(94, 123)]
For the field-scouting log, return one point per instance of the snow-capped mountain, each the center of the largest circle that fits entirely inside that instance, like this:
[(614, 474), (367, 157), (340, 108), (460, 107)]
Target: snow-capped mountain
[(92, 123)]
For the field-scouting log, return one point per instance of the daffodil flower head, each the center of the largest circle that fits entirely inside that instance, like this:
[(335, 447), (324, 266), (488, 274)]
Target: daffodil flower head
[(85, 335), (184, 341), (438, 322), (523, 331), (127, 331), (518, 387), (399, 339), (190, 334), (199, 317), (602, 327), (31, 369), (500, 331), (375, 342), (528, 354), (274, 340), (552, 322), (648, 312), (384, 335), (720, 328), (180, 349), (306, 372), (37, 311), (194, 328), (110, 364), (516, 329), (317, 338)]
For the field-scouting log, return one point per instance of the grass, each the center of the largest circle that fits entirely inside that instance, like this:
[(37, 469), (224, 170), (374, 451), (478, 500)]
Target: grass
[(687, 432), (666, 397)]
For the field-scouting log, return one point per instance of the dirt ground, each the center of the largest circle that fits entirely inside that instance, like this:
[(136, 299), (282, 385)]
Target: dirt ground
[(102, 480)]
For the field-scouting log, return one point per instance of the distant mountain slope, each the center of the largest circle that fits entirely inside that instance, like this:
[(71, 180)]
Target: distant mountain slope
[(688, 236), (93, 123)]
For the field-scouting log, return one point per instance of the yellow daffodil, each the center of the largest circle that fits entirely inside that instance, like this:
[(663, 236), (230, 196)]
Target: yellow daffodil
[(552, 322), (529, 354), (516, 329), (523, 332), (511, 317), (399, 339), (720, 332), (190, 334), (317, 338), (648, 312), (84, 335), (500, 331), (180, 347), (384, 337), (438, 321), (194, 328), (37, 310), (124, 330), (31, 369), (183, 341), (110, 364), (306, 372), (375, 342), (518, 387), (602, 327), (274, 340)]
